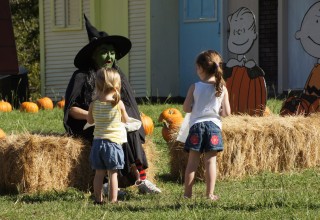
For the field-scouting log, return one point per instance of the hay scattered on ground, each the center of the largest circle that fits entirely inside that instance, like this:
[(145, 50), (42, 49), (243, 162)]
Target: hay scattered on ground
[(32, 163), (256, 144)]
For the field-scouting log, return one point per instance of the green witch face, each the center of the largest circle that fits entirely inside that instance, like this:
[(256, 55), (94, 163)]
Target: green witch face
[(104, 55)]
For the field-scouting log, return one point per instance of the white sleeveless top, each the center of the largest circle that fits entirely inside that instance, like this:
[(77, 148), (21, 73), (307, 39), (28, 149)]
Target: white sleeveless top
[(206, 106)]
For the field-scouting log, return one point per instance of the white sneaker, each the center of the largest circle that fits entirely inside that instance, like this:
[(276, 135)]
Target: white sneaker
[(145, 186)]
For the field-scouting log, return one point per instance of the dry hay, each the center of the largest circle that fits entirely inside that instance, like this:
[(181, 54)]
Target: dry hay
[(256, 144), (32, 163), (152, 155)]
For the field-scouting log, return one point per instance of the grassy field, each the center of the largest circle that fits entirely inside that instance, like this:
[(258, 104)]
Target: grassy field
[(293, 195)]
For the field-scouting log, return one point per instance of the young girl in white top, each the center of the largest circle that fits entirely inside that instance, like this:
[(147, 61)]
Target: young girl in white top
[(107, 111), (207, 100)]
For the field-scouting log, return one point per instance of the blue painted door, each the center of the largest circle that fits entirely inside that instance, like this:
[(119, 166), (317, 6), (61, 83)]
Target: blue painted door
[(199, 30)]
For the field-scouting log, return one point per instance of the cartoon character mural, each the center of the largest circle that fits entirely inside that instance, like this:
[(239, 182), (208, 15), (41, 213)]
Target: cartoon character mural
[(309, 36), (245, 80)]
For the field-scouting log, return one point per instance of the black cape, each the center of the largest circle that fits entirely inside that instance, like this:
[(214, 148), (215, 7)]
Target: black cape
[(79, 93)]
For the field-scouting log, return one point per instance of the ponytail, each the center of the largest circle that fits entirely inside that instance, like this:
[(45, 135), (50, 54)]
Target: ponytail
[(116, 97), (219, 81)]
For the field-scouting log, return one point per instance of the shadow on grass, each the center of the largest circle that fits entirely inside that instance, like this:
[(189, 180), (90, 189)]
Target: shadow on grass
[(69, 195), (207, 205), (167, 177)]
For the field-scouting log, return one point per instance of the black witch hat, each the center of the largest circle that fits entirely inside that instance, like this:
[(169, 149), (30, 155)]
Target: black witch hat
[(83, 60)]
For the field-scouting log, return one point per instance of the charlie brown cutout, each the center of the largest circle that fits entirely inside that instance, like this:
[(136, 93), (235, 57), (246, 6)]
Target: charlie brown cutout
[(245, 80), (309, 36)]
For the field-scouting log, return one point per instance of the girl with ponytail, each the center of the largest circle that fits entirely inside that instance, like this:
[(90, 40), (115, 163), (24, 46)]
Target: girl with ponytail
[(107, 111), (206, 101)]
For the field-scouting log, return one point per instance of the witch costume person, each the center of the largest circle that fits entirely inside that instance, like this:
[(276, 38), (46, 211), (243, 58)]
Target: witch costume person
[(104, 50)]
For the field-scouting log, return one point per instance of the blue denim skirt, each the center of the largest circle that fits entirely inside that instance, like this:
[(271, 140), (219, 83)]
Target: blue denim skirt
[(203, 137), (106, 155)]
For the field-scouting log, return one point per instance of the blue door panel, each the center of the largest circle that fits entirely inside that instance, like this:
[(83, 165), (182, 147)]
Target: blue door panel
[(199, 30)]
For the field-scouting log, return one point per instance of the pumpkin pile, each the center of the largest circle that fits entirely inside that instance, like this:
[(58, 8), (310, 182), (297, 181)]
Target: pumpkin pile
[(147, 123), (172, 120), (44, 103)]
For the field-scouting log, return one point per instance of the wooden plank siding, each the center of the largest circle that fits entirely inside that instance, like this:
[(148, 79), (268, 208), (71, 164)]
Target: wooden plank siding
[(60, 49), (138, 54)]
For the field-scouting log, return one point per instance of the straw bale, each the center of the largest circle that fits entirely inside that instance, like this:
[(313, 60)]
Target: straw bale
[(256, 144), (32, 163)]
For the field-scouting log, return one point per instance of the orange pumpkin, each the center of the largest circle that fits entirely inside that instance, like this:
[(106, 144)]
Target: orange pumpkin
[(45, 103), (5, 106), (61, 104), (172, 117), (172, 120), (29, 107), (2, 134), (247, 90), (147, 124), (168, 132)]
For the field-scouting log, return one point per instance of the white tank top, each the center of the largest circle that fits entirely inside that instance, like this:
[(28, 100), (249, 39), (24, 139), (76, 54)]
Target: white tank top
[(206, 106)]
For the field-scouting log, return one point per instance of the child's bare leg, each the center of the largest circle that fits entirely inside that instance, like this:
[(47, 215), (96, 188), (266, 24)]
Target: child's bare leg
[(210, 160), (97, 184), (193, 162), (113, 193)]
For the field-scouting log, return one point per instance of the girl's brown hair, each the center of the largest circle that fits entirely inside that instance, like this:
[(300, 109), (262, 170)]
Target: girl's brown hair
[(108, 80), (206, 60)]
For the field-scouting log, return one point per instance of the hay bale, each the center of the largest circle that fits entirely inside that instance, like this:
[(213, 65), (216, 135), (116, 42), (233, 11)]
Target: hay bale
[(256, 144), (32, 163)]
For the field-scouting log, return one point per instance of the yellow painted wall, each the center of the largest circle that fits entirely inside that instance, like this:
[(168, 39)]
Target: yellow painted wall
[(111, 16)]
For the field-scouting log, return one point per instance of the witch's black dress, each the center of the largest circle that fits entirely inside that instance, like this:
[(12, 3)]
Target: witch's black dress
[(79, 94)]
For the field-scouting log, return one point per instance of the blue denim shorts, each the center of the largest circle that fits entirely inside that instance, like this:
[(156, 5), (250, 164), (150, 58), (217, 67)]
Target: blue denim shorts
[(106, 155), (203, 137)]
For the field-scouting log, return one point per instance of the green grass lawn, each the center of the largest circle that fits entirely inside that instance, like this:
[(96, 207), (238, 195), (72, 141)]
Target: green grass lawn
[(293, 195)]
